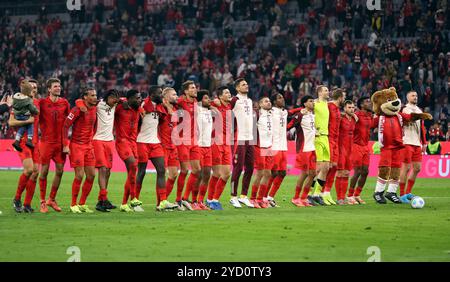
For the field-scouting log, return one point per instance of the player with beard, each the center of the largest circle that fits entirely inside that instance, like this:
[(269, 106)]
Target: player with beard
[(149, 148), (415, 145), (243, 149), (167, 121), (338, 96)]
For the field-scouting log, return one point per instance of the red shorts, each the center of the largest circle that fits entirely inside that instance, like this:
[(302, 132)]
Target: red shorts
[(345, 160), (81, 155), (205, 157), (126, 149), (263, 158), (104, 151), (28, 153), (306, 161), (171, 157), (360, 155), (221, 155), (188, 153), (280, 161), (334, 151), (51, 152), (390, 158), (412, 154), (148, 151)]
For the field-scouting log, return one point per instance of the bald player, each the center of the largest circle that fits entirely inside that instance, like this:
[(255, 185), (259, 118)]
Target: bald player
[(415, 144)]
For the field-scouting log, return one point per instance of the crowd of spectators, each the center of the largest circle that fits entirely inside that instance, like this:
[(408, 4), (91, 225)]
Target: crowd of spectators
[(340, 43)]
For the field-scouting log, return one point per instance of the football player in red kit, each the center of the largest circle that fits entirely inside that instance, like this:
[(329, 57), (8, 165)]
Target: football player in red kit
[(126, 121), (334, 106), (221, 149), (344, 165), (167, 121), (360, 150), (52, 115), (81, 149), (188, 151)]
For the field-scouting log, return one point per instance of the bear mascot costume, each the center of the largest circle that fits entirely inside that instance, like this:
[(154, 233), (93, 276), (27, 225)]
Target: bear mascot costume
[(389, 121)]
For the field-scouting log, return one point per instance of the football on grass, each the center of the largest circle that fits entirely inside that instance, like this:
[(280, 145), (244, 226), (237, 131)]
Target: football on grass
[(417, 202)]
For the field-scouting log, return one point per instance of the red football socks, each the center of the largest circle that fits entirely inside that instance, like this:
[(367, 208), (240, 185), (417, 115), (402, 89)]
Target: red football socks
[(203, 188), (180, 185), (42, 188), (254, 191), (358, 191), (351, 191), (86, 190), (103, 194), (269, 185), (161, 193), (192, 180), (305, 193), (53, 192), (330, 179), (298, 190), (262, 191), (410, 186), (126, 192), (275, 186), (220, 186), (75, 190), (212, 187), (169, 186), (31, 186), (23, 179)]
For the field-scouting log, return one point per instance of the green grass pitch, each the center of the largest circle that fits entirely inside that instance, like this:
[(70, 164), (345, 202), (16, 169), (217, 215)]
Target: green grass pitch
[(287, 233)]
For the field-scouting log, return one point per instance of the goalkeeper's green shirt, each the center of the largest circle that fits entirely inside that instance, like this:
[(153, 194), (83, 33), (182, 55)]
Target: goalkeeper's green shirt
[(322, 116)]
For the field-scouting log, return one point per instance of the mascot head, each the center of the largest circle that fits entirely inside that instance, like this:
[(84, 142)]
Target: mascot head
[(386, 102)]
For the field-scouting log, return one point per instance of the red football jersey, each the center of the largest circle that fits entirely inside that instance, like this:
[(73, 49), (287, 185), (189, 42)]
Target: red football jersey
[(189, 107), (83, 128), (126, 123), (165, 127), (221, 135), (52, 116), (347, 126), (361, 135), (333, 122), (390, 130)]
